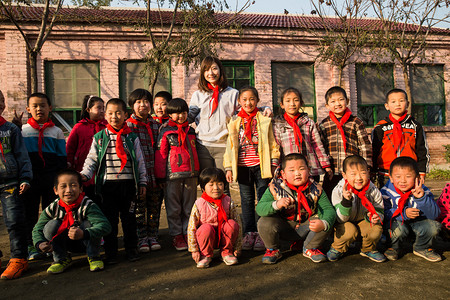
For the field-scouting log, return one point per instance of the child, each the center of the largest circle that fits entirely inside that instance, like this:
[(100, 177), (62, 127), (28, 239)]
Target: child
[(214, 222), (160, 107), (444, 205), (46, 147), (296, 133), (250, 153), (176, 161), (118, 164), (359, 208), (398, 135), (146, 128), (342, 134), (298, 211), (408, 205), (80, 138), (69, 223), (16, 174)]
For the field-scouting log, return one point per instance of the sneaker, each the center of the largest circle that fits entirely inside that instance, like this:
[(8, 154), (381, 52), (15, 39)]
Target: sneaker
[(374, 255), (33, 253), (59, 267), (204, 261), (259, 244), (391, 254), (271, 256), (15, 268), (334, 255), (230, 260), (314, 254), (428, 254), (133, 255), (143, 245), (110, 259), (95, 264), (180, 243), (248, 241), (296, 246), (154, 245)]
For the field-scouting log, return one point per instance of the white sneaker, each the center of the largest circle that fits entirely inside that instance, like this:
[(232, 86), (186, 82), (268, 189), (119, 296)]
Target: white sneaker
[(154, 245), (204, 262), (143, 245)]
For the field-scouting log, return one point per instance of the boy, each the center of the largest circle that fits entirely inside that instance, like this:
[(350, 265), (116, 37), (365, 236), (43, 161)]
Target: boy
[(118, 164), (398, 135), (342, 134), (46, 146), (160, 106), (298, 211), (15, 176), (69, 223), (359, 208), (409, 205)]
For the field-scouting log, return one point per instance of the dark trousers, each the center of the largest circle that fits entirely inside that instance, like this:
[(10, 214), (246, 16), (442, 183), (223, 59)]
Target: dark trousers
[(328, 185), (212, 157)]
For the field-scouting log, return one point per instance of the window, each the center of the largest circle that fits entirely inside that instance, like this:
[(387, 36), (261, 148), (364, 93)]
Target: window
[(130, 78), (298, 75), (428, 96), (373, 81), (66, 83), (239, 73)]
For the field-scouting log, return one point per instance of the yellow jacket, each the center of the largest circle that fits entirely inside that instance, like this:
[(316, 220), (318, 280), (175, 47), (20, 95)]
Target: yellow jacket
[(267, 146)]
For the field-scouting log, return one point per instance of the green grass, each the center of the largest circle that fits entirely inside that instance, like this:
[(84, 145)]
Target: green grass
[(439, 174)]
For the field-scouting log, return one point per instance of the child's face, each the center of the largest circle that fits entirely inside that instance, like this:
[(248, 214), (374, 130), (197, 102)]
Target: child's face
[(357, 176), (2, 103), (159, 106), (214, 189), (296, 172), (291, 104), (403, 178), (212, 75), (179, 118), (68, 188), (248, 101), (396, 104), (97, 112), (39, 109), (337, 104), (141, 108), (115, 116)]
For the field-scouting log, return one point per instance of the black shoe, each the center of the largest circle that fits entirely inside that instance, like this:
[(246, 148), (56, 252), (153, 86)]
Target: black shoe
[(110, 259), (133, 255)]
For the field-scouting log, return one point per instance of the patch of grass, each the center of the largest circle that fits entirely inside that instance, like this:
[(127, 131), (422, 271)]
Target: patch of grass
[(439, 174)]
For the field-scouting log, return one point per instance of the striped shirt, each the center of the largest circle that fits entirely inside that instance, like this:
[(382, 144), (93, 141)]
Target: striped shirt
[(248, 151), (113, 162)]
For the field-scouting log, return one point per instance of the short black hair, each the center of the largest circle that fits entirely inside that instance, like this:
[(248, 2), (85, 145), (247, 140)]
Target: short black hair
[(247, 89), (164, 94), (211, 174), (354, 160), (88, 102), (335, 90), (139, 94), (404, 162), (41, 96), (393, 91), (293, 156), (292, 90), (117, 101), (177, 105), (68, 172)]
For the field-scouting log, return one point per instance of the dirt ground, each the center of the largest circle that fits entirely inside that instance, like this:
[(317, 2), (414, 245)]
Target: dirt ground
[(170, 274)]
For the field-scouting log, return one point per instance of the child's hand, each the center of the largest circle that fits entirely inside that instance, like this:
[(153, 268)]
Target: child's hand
[(316, 225), (237, 253), (84, 178), (273, 169), (23, 188), (142, 193), (17, 119), (229, 176), (417, 191), (422, 179), (45, 247), (374, 219), (75, 233), (268, 112), (196, 256), (346, 193), (412, 213), (329, 173), (284, 203)]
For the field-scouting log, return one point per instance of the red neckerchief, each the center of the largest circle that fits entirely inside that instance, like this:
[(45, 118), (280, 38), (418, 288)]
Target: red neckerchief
[(2, 121), (160, 120), (221, 214), (401, 203), (96, 124), (140, 123), (397, 132), (181, 131), (364, 201), (340, 124), (214, 98), (68, 217), (36, 126), (301, 199), (120, 150), (297, 133), (248, 126)]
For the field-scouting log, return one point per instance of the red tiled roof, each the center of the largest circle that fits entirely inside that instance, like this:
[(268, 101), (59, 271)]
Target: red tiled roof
[(134, 16)]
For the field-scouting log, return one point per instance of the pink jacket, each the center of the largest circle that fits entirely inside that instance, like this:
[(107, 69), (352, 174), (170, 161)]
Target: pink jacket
[(444, 205)]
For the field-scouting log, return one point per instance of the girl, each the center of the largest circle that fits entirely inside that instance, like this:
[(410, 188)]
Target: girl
[(444, 216), (80, 138), (250, 153), (214, 222), (160, 107), (295, 132), (146, 128)]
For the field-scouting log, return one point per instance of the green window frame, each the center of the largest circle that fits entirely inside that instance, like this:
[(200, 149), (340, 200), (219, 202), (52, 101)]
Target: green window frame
[(373, 81), (294, 74), (239, 73)]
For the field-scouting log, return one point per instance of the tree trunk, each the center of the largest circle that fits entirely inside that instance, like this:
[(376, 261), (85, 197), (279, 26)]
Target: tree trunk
[(340, 76), (407, 86), (32, 56), (153, 83)]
